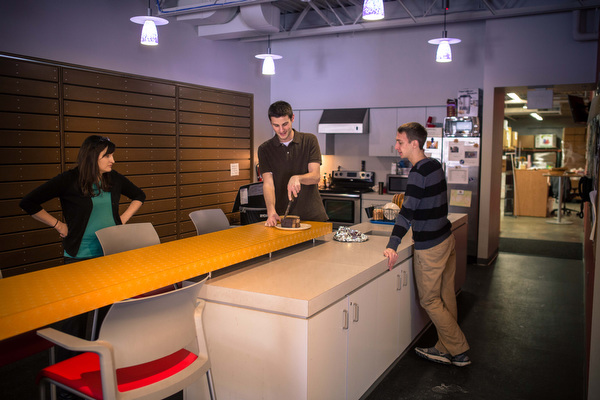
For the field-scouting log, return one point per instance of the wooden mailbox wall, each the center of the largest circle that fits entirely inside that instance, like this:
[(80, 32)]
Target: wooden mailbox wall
[(176, 141)]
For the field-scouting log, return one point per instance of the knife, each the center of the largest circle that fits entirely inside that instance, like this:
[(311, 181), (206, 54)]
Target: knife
[(287, 210)]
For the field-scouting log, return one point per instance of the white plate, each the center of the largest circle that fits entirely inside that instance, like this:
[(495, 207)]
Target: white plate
[(302, 227)]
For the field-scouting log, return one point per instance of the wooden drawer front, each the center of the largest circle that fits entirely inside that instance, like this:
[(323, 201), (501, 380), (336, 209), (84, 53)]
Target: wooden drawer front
[(215, 176), (207, 130), (28, 172), (211, 165), (115, 82), (213, 200), (213, 143), (207, 188), (213, 108), (26, 87), (96, 95), (26, 69), (212, 119), (74, 139), (107, 126), (24, 104), (215, 97)]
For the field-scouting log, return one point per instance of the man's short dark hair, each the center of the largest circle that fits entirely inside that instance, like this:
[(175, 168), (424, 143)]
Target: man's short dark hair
[(414, 131), (280, 109)]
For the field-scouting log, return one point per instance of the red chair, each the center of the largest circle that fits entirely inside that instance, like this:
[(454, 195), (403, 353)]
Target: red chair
[(148, 348)]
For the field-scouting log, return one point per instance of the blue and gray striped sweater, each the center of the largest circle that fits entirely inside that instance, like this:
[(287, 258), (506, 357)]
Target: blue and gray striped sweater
[(425, 207)]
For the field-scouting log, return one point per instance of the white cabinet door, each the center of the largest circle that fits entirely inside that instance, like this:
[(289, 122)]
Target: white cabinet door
[(389, 313), (403, 275), (309, 123), (411, 114), (362, 363), (327, 347), (382, 132), (438, 113)]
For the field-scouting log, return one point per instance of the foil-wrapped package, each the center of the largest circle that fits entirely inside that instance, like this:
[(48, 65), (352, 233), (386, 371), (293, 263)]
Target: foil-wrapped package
[(345, 234)]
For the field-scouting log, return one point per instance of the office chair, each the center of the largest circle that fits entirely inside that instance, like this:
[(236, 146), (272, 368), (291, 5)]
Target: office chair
[(148, 348), (209, 220), (119, 238), (566, 194)]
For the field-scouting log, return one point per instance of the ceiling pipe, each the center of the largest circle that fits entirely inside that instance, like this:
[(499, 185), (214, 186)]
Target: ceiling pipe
[(423, 21)]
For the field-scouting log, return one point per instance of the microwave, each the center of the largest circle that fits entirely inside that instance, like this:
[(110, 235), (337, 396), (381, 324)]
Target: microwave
[(461, 126), (396, 183)]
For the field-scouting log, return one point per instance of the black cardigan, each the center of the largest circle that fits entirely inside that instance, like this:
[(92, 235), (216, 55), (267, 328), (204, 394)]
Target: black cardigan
[(76, 207)]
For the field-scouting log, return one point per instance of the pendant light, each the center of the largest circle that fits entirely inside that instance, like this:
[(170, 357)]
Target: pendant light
[(373, 10), (268, 67), (444, 53), (149, 32)]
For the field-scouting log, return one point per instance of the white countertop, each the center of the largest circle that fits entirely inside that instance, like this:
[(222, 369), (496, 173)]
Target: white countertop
[(305, 282)]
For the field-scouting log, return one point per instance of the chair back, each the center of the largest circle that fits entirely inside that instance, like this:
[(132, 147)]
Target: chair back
[(146, 329), (118, 238), (210, 220)]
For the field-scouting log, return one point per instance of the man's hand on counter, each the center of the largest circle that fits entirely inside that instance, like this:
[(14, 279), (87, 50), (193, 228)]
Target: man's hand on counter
[(272, 219), (392, 257)]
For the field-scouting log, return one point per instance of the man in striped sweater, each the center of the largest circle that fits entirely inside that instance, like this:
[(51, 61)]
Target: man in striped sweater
[(425, 208)]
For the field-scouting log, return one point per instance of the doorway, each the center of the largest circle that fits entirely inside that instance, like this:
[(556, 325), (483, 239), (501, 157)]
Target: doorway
[(533, 146)]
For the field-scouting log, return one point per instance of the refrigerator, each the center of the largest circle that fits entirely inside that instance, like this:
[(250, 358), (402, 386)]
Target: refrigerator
[(433, 145), (461, 158)]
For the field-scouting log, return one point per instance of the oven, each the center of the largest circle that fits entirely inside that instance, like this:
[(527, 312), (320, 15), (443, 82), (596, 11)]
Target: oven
[(342, 200), (343, 209)]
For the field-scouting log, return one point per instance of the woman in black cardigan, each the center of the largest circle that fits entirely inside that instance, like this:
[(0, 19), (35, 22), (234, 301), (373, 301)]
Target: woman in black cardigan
[(89, 196)]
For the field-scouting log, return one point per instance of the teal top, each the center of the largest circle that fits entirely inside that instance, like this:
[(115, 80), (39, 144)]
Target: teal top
[(101, 217)]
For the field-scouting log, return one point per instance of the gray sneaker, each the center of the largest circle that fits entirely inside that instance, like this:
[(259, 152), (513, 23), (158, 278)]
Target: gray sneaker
[(433, 354), (461, 360)]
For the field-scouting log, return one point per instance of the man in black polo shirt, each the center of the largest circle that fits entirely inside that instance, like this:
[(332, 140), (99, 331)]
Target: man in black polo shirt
[(290, 164)]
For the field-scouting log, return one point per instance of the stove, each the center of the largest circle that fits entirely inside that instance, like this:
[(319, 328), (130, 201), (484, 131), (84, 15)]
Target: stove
[(342, 200), (361, 181)]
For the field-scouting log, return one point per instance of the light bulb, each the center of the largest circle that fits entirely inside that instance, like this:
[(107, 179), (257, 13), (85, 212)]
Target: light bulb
[(268, 67), (149, 34), (373, 10), (444, 53)]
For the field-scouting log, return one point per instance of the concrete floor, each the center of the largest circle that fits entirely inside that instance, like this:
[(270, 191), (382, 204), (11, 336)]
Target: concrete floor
[(538, 228), (524, 319)]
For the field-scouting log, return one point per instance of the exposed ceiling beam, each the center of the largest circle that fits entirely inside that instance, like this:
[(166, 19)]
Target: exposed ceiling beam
[(466, 16)]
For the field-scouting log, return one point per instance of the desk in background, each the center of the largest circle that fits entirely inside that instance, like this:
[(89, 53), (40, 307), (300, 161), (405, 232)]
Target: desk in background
[(531, 193)]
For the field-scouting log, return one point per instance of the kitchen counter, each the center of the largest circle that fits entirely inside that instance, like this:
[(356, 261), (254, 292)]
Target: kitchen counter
[(316, 321), (39, 298), (302, 283)]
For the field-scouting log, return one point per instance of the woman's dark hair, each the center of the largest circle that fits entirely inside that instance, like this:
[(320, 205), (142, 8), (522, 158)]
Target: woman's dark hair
[(280, 109), (87, 160), (414, 131)]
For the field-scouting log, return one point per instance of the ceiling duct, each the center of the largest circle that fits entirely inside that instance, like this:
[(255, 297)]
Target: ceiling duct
[(212, 17), (345, 121), (250, 21)]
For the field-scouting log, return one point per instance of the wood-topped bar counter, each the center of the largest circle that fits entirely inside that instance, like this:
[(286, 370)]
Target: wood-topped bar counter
[(39, 298)]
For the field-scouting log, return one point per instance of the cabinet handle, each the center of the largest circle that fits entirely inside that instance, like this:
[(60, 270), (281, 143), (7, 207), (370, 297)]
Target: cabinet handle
[(356, 316), (399, 282), (405, 278), (345, 319)]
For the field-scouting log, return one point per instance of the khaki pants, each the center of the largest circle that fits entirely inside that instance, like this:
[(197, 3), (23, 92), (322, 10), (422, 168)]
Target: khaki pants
[(434, 275)]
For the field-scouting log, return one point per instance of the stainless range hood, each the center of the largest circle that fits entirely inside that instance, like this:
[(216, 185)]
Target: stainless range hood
[(344, 121)]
